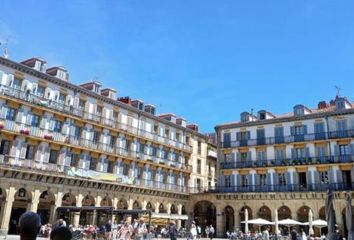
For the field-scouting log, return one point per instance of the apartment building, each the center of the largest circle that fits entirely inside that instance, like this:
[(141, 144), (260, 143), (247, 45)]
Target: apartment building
[(80, 153), (286, 162)]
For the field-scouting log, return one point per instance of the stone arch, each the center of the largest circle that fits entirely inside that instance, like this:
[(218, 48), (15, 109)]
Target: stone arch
[(21, 200), (265, 213), (242, 214), (46, 201), (162, 208), (184, 211), (303, 214), (88, 200), (136, 205), (322, 213), (229, 218), (150, 206), (68, 199), (122, 204), (204, 214), (284, 212), (173, 209), (106, 202)]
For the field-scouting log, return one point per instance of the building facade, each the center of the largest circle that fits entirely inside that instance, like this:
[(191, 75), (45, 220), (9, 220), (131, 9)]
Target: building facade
[(284, 163), (79, 153)]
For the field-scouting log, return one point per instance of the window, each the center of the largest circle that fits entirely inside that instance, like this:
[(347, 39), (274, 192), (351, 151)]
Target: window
[(324, 177), (243, 156), (244, 180), (17, 83), (228, 181), (57, 126), (40, 91), (343, 150), (141, 148), (112, 141), (99, 110), (93, 164), (167, 132), (279, 154), (199, 166), (35, 120), (300, 153), (262, 179), (125, 169), (261, 155), (81, 104), (115, 115), (245, 117), (5, 147), (61, 98), (96, 137), (178, 136), (227, 140), (199, 148), (74, 160), (341, 125), (77, 132), (282, 179), (110, 167), (319, 131), (244, 135), (11, 114), (279, 134), (53, 156), (30, 152), (156, 129), (298, 130)]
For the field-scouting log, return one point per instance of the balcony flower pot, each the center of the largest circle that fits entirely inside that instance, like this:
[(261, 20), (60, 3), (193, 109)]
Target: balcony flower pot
[(2, 125), (24, 131), (67, 140), (48, 137)]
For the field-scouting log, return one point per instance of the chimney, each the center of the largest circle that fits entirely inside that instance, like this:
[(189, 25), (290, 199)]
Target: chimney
[(332, 103), (322, 105), (125, 100), (193, 126)]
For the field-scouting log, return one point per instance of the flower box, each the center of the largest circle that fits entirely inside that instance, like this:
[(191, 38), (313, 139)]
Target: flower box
[(24, 131), (48, 137), (67, 140), (2, 125)]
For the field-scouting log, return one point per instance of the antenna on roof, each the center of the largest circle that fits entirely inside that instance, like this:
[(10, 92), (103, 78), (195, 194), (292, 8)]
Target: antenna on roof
[(338, 91), (6, 53), (251, 114)]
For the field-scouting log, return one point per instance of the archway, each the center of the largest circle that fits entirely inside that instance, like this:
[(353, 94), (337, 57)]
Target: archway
[(68, 200), (322, 213), (104, 215), (121, 205), (283, 213), (2, 201), (242, 217), (87, 216), (184, 212), (303, 214), (265, 213), (149, 207), (136, 205), (20, 205), (162, 208), (173, 209), (46, 201), (229, 218), (204, 214)]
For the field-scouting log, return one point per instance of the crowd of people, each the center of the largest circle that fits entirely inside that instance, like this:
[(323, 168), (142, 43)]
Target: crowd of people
[(29, 227)]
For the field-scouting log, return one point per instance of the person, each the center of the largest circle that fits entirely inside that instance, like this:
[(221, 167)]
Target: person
[(29, 225), (199, 231), (108, 232), (114, 229), (140, 229), (211, 231), (193, 231), (293, 234), (172, 231), (126, 231), (339, 235), (61, 233), (207, 231), (303, 235), (266, 234)]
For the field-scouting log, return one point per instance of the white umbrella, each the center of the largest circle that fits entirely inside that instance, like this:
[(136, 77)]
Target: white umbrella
[(319, 223), (259, 221), (246, 221), (276, 222), (289, 222), (311, 232)]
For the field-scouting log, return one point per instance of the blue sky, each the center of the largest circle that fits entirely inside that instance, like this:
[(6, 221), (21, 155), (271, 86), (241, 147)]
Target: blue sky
[(205, 60)]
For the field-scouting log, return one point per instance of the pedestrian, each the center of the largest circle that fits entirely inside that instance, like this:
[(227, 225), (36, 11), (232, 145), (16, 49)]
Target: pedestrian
[(108, 232), (266, 234), (293, 234), (172, 231), (126, 231), (211, 231), (193, 231), (61, 233), (140, 230), (29, 226)]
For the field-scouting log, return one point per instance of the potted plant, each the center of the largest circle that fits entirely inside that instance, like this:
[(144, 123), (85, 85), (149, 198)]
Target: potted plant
[(48, 137), (24, 131), (67, 140), (2, 125)]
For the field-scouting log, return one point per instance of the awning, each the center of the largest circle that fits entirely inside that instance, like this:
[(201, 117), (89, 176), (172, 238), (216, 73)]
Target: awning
[(134, 211), (169, 216), (86, 208)]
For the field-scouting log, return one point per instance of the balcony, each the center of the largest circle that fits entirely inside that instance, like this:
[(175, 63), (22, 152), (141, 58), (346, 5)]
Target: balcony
[(289, 139), (37, 166), (14, 127), (316, 187), (287, 162), (78, 112)]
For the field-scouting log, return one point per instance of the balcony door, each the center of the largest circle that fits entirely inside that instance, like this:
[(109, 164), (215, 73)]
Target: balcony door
[(347, 180), (302, 180)]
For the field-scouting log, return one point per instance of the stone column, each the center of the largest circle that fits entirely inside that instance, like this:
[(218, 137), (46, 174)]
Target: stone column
[(219, 222), (114, 205), (179, 211), (237, 220), (33, 205), (157, 204), (130, 203), (53, 208), (77, 214), (97, 204), (6, 211)]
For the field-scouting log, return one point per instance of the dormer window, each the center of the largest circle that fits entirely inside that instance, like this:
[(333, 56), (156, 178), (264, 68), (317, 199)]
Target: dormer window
[(341, 103), (40, 66), (299, 110), (245, 117), (96, 88), (262, 116)]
